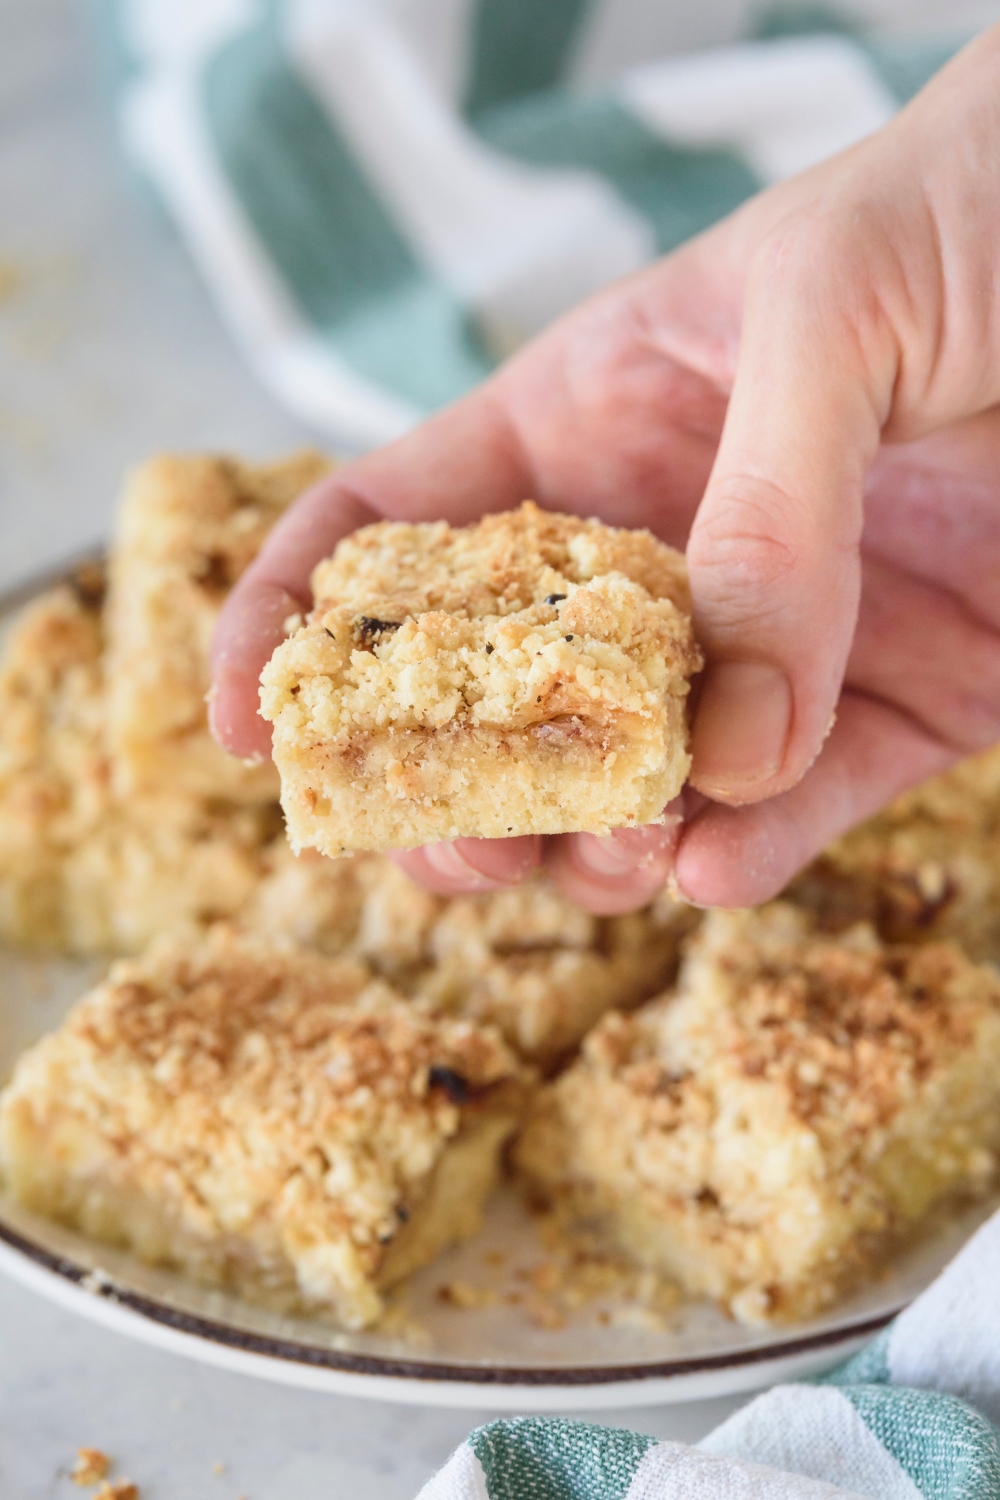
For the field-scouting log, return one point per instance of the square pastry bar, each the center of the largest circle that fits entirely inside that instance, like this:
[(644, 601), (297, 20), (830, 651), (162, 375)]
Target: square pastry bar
[(527, 674), (84, 867), (789, 1115), (188, 527), (268, 1121)]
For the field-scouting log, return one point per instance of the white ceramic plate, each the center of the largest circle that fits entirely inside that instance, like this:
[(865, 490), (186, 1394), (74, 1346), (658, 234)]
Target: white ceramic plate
[(485, 1357)]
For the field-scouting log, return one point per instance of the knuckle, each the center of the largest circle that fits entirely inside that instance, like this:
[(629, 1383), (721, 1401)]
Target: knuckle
[(744, 552)]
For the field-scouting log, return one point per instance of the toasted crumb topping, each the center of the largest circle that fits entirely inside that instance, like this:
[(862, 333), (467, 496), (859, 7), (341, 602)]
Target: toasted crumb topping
[(502, 564), (524, 619), (845, 1030), (228, 1017), (205, 517)]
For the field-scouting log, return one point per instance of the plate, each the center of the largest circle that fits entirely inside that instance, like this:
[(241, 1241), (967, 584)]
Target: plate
[(487, 1356)]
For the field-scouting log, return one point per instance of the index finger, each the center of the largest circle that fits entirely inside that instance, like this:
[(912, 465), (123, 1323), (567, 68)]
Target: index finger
[(454, 467)]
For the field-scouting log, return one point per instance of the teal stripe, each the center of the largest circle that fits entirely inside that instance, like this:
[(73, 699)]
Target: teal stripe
[(949, 1451), (794, 19), (905, 67), (519, 47), (680, 192), (418, 340), (332, 240), (552, 1458), (109, 28), (870, 1366)]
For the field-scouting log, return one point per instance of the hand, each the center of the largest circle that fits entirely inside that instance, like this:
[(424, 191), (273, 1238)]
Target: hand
[(803, 397)]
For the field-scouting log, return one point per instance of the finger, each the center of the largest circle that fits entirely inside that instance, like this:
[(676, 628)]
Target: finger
[(773, 553), (618, 873), (921, 649), (264, 604), (742, 856), (931, 509), (468, 866), (454, 467)]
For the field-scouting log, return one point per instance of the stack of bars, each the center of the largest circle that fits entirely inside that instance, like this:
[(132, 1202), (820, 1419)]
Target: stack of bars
[(303, 1076)]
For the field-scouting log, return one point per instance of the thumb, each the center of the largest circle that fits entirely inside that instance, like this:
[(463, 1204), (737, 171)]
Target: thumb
[(774, 550)]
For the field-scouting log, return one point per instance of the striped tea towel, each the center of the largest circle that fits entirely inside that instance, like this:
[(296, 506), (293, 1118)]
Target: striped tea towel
[(911, 1417), (386, 196)]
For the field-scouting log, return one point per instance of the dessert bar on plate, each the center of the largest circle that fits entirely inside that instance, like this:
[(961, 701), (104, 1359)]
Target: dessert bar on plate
[(926, 867), (795, 1109), (269, 1121), (84, 868), (527, 674), (187, 528)]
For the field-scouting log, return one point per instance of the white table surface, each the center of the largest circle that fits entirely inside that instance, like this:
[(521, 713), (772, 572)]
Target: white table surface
[(110, 350)]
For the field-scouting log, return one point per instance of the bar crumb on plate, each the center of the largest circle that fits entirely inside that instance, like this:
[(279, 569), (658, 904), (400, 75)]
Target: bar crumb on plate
[(527, 674), (799, 1105)]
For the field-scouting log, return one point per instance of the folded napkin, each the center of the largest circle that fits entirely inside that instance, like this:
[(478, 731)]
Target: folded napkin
[(386, 196), (911, 1417)]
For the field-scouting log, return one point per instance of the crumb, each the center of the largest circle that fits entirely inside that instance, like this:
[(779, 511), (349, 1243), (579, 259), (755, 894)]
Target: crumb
[(90, 1467), (117, 1489), (462, 1294), (218, 1468), (544, 1315)]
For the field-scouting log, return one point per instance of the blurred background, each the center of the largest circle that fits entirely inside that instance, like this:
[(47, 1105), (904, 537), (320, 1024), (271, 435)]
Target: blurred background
[(366, 204)]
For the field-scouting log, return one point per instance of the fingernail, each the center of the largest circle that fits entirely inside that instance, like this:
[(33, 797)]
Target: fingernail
[(445, 860), (741, 729)]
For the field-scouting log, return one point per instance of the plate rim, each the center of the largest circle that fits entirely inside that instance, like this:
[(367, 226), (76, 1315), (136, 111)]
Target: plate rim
[(564, 1377)]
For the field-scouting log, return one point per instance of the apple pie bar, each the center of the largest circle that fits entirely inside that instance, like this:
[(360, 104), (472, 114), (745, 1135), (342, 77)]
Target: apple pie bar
[(272, 1122), (527, 674), (794, 1110), (187, 529), (926, 867)]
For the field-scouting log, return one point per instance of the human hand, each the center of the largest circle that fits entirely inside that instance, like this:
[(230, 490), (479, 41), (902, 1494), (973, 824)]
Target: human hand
[(802, 395)]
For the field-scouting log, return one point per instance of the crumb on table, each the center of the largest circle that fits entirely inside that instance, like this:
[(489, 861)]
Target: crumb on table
[(117, 1489), (91, 1466)]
